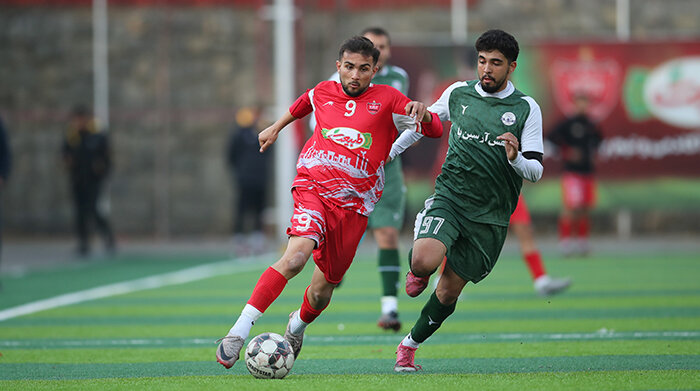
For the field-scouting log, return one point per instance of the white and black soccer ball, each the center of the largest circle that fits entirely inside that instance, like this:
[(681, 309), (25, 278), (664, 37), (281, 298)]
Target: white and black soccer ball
[(269, 356)]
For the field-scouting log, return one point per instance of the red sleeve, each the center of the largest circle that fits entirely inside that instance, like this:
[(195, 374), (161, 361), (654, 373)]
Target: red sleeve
[(302, 106), (400, 103), (433, 128), (430, 129)]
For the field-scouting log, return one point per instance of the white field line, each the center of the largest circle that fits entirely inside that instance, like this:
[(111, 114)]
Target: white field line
[(172, 278), (363, 339)]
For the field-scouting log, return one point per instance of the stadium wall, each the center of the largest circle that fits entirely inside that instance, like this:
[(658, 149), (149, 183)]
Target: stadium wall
[(178, 70)]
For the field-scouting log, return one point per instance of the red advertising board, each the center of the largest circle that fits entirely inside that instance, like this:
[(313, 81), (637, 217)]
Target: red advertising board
[(644, 96)]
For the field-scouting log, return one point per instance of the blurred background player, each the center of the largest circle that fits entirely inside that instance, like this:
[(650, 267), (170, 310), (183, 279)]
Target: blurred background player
[(340, 175), (249, 169), (86, 155), (387, 218), (521, 226), (577, 139)]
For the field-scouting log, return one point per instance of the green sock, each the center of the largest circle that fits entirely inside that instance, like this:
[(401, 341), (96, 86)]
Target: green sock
[(389, 270), (431, 318)]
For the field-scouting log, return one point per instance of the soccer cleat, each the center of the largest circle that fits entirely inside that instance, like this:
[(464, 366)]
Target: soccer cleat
[(389, 321), (229, 350), (294, 339), (404, 359), (415, 285), (547, 286)]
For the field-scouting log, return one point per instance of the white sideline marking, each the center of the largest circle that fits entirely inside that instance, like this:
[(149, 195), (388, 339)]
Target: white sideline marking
[(367, 339), (523, 336), (172, 278)]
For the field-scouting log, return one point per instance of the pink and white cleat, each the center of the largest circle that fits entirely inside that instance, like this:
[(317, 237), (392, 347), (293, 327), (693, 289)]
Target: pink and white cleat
[(404, 359)]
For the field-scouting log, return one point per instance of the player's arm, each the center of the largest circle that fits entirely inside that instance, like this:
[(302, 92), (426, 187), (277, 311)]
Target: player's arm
[(431, 124), (527, 164), (441, 107), (299, 109), (431, 128), (268, 136)]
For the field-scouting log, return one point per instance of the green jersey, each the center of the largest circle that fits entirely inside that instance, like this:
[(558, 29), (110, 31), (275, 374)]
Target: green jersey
[(394, 76), (476, 176)]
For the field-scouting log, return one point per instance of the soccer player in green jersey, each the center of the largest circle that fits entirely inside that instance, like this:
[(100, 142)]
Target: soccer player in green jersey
[(388, 216), (495, 141)]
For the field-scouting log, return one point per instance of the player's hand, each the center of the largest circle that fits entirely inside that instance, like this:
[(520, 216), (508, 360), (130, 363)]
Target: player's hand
[(416, 110), (511, 144), (267, 137)]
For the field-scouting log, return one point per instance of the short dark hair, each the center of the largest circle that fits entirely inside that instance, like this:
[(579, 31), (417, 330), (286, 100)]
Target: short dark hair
[(376, 31), (359, 45), (498, 40)]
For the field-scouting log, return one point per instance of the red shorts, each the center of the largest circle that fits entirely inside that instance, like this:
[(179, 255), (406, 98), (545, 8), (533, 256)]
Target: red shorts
[(336, 231), (578, 190), (521, 215)]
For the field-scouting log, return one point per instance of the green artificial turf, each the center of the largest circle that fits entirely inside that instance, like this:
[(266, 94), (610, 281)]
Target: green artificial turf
[(629, 322)]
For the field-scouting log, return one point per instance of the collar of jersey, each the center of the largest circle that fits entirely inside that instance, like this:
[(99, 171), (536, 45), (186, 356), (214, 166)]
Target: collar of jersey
[(510, 88)]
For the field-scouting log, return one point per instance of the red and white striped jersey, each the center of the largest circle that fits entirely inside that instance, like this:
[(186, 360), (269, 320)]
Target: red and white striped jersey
[(344, 158)]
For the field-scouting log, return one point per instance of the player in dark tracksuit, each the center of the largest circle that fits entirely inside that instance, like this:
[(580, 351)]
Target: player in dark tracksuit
[(86, 155)]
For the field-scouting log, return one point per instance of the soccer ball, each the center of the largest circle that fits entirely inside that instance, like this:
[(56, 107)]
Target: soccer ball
[(269, 356)]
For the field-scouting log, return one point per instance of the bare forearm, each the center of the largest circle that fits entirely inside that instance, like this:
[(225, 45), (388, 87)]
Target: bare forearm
[(286, 119), (268, 136)]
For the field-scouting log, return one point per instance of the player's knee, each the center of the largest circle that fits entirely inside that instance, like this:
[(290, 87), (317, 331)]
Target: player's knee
[(387, 237), (320, 295), (426, 257), (293, 263), (422, 264)]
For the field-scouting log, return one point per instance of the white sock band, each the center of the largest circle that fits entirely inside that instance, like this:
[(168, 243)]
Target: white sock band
[(389, 304), (408, 341), (296, 325), (245, 322)]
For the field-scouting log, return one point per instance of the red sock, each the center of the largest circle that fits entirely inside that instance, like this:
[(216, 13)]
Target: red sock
[(534, 263), (308, 314), (564, 228), (269, 287), (583, 227), (442, 266)]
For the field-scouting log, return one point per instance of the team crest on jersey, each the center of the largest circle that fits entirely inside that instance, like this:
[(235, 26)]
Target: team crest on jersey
[(373, 107), (348, 137), (508, 118)]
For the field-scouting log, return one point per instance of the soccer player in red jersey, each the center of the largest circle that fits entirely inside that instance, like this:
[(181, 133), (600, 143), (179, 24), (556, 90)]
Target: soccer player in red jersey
[(577, 139), (340, 177)]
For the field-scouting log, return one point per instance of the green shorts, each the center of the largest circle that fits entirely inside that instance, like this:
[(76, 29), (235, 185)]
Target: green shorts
[(390, 210), (472, 248)]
